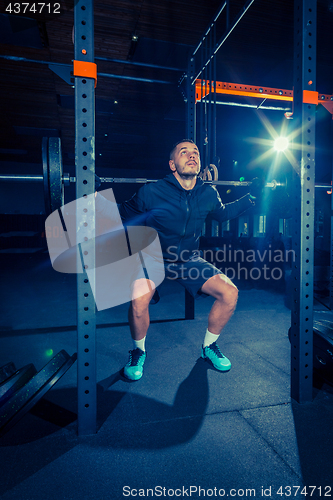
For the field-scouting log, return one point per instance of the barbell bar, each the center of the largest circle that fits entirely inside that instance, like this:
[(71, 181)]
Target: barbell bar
[(67, 180), (54, 179)]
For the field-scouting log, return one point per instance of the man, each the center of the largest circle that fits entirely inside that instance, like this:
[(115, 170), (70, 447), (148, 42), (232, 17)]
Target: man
[(177, 207)]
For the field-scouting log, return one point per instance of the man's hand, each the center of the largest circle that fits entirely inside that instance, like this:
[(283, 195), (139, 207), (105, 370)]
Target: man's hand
[(257, 185)]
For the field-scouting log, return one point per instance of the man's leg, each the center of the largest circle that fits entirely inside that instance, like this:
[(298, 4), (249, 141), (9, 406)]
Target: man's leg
[(138, 317), (226, 293)]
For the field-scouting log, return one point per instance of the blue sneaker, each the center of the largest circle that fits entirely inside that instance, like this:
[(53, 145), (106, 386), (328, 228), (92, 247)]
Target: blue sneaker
[(215, 356), (133, 370)]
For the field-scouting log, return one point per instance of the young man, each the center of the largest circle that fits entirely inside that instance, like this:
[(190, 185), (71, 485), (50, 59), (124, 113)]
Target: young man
[(177, 207)]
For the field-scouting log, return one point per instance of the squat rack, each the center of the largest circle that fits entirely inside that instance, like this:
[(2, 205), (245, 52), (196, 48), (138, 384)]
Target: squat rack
[(84, 71), (303, 186)]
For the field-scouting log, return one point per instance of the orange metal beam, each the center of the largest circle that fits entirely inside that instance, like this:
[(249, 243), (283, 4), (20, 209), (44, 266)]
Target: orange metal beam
[(203, 88), (327, 102)]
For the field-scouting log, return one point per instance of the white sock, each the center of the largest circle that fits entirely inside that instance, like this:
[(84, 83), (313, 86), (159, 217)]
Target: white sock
[(140, 344), (209, 338)]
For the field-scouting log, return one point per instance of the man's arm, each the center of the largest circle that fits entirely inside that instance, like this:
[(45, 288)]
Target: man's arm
[(129, 210), (135, 207), (232, 210)]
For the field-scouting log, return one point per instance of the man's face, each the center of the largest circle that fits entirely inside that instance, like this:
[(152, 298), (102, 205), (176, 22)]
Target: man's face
[(186, 160)]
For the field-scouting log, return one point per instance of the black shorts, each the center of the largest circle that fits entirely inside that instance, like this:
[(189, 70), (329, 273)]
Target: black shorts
[(191, 274)]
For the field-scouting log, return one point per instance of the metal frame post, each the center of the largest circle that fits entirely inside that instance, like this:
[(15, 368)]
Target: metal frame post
[(304, 201), (85, 185), (331, 246)]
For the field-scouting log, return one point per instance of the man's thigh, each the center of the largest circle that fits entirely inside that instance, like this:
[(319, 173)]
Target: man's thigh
[(192, 274)]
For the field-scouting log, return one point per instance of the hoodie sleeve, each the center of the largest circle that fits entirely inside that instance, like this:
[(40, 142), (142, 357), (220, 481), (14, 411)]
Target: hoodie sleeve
[(128, 210), (231, 210), (135, 206), (106, 208)]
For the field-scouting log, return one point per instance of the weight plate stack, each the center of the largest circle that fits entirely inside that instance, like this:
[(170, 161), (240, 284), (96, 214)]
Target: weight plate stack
[(10, 386), (26, 397), (322, 348)]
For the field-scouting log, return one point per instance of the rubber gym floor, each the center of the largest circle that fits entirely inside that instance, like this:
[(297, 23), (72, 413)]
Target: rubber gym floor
[(184, 430)]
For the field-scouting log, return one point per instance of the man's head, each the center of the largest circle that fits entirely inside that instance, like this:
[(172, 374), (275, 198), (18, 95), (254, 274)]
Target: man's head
[(185, 159)]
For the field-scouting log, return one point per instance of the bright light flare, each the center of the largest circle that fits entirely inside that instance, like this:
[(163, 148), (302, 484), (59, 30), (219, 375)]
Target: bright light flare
[(274, 141), (281, 144)]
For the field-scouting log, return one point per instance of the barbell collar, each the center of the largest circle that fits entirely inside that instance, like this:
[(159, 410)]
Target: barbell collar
[(66, 179)]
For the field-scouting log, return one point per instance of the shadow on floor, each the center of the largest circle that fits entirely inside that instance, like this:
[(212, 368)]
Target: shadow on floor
[(151, 424), (126, 420)]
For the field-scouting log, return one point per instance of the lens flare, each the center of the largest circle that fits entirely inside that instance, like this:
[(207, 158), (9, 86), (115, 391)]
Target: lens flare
[(281, 143)]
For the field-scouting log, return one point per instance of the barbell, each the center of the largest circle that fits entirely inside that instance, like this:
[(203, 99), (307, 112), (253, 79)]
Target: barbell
[(54, 180)]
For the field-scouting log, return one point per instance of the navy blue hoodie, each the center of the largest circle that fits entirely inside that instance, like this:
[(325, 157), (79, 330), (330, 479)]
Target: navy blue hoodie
[(177, 214)]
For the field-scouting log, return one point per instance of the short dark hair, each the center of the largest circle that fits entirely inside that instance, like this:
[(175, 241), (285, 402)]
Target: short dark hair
[(175, 145)]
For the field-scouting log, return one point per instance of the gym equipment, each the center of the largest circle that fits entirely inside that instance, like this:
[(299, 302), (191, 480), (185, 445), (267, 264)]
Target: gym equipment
[(52, 174), (322, 348), (6, 371), (54, 180), (15, 382), (26, 397)]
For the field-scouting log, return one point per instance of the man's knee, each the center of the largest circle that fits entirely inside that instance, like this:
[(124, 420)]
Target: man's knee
[(222, 288), (230, 295), (142, 292)]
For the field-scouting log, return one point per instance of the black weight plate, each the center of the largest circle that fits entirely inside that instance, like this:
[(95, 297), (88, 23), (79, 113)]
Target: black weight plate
[(56, 186), (16, 407), (46, 177), (15, 382), (6, 371), (324, 326), (323, 354), (322, 351)]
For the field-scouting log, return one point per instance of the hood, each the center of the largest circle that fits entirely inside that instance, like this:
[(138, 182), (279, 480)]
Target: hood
[(171, 179)]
